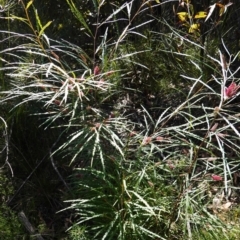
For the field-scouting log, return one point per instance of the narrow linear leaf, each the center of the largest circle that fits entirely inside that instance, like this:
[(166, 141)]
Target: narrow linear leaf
[(212, 7), (43, 28), (13, 17), (38, 19), (29, 4), (95, 5), (78, 15)]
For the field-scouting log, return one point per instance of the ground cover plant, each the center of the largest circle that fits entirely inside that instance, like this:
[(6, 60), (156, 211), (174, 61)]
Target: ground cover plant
[(131, 133)]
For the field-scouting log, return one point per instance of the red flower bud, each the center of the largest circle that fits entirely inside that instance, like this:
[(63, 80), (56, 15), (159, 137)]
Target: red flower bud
[(96, 70), (217, 178), (146, 140), (231, 90)]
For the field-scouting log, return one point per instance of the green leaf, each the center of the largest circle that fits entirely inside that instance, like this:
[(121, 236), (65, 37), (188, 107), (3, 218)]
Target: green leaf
[(38, 19), (95, 4), (43, 28), (78, 15)]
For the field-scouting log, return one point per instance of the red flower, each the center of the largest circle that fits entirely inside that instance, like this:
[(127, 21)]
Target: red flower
[(217, 178), (231, 90)]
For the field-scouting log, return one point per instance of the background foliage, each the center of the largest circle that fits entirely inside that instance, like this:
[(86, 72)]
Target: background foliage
[(120, 119)]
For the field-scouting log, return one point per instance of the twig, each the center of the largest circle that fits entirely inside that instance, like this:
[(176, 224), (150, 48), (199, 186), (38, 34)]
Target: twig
[(16, 193), (22, 217), (5, 134), (58, 173)]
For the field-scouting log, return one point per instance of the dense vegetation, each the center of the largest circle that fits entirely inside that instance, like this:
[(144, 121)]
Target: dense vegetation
[(119, 119)]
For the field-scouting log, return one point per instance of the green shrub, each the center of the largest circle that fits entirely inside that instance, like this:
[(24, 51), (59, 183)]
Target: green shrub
[(10, 227)]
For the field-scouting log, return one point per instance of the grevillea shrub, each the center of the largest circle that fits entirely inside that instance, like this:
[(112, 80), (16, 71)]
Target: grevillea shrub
[(146, 142)]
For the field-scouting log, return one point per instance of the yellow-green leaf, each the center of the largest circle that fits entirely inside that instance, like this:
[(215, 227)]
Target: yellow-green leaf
[(157, 1), (38, 19), (223, 8), (17, 18), (222, 11), (29, 4), (43, 28), (183, 16), (200, 15), (194, 27)]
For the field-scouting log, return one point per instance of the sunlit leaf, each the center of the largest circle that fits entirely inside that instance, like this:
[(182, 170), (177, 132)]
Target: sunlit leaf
[(44, 27), (212, 7), (183, 16), (13, 17), (38, 19), (194, 27), (229, 4), (200, 15), (29, 4), (222, 9)]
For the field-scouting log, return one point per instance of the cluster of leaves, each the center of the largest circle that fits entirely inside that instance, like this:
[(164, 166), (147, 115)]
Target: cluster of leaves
[(152, 139), (9, 223), (192, 19)]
